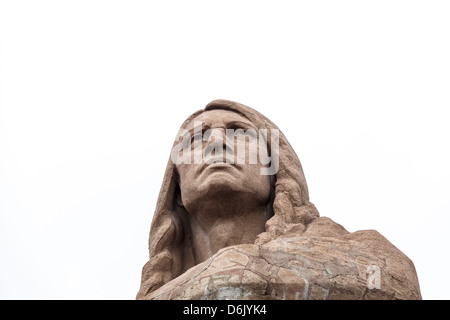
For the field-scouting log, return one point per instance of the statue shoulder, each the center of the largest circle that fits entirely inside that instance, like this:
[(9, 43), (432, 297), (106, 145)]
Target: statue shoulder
[(324, 227)]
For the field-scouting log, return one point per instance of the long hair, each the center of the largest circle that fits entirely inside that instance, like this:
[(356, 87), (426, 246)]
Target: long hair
[(170, 246)]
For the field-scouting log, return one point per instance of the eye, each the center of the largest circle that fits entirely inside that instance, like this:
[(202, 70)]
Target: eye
[(207, 134), (246, 132), (198, 136), (235, 127)]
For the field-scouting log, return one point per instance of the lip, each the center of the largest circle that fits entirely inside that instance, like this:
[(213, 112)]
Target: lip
[(220, 165)]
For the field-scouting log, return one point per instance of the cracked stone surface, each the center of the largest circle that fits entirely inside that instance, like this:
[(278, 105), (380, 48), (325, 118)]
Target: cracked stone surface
[(311, 266)]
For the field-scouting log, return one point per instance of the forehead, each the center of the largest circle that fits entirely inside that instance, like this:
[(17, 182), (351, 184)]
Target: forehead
[(220, 118)]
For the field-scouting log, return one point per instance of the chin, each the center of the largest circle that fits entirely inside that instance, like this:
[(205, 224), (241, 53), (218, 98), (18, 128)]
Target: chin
[(220, 182)]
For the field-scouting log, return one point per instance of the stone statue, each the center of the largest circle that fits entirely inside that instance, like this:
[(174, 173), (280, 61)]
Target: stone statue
[(229, 227)]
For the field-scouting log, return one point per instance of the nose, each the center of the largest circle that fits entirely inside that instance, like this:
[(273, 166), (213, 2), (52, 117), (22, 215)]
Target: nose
[(217, 145)]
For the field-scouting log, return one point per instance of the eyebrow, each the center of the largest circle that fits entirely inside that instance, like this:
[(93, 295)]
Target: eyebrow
[(244, 124), (230, 125), (204, 128)]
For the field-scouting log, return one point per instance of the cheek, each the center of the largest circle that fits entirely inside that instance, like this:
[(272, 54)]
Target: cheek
[(183, 173), (187, 178), (258, 182), (264, 182), (182, 178)]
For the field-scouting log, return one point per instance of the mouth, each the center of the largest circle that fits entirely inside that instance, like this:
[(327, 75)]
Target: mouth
[(219, 163)]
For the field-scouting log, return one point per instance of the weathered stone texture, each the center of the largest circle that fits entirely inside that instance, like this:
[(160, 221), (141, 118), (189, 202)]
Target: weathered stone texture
[(332, 267), (226, 231)]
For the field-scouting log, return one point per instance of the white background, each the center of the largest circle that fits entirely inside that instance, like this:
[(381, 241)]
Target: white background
[(92, 94)]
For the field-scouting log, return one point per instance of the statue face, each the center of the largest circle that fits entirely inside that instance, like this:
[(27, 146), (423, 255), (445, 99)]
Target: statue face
[(203, 183)]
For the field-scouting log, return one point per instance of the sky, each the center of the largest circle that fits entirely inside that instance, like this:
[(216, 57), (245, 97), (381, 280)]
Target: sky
[(93, 93)]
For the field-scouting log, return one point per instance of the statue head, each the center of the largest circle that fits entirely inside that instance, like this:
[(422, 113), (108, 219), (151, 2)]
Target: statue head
[(232, 178)]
